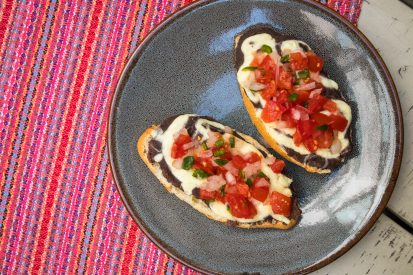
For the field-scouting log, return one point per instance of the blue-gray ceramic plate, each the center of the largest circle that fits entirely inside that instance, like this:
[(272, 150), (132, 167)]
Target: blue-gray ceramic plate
[(186, 66)]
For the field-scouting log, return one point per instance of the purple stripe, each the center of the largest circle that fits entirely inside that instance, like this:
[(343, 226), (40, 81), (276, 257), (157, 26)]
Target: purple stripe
[(51, 139), (25, 190)]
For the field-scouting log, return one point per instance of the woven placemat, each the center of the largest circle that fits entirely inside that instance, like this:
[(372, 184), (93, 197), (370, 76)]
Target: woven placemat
[(59, 208)]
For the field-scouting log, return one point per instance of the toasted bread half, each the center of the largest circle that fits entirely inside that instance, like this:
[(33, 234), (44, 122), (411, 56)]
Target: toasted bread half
[(171, 184), (310, 161)]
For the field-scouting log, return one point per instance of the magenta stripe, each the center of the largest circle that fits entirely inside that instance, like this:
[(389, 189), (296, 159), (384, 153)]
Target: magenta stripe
[(78, 147), (30, 148), (10, 74), (93, 154), (54, 112), (139, 251), (12, 193), (109, 217), (100, 228)]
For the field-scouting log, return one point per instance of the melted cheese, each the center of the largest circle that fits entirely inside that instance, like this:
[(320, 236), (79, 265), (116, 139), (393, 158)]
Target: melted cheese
[(278, 182), (284, 135)]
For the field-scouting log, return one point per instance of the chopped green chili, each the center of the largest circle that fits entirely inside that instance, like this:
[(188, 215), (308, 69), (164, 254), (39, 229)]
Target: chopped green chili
[(200, 174), (204, 145), (249, 182), (241, 174), (221, 162), (293, 97), (261, 175), (266, 49), (323, 127), (285, 58), (220, 142), (232, 142), (249, 68), (222, 190), (219, 153), (303, 74), (188, 162)]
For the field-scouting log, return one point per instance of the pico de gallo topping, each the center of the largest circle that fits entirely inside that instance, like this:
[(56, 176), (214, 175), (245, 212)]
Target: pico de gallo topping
[(293, 93), (229, 176)]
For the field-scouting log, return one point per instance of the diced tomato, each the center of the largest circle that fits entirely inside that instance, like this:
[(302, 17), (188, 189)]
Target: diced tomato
[(321, 119), (298, 61), (231, 189), (243, 189), (269, 91), (297, 138), (330, 106), (227, 153), (272, 111), (219, 197), (287, 117), (306, 128), (211, 195), (280, 204), (206, 195), (277, 166), (177, 150), (240, 188), (315, 63), (238, 162), (324, 138), (338, 123), (316, 103), (264, 73), (302, 96), (285, 80), (253, 157), (240, 206), (204, 164), (268, 63), (281, 96), (311, 144), (260, 193)]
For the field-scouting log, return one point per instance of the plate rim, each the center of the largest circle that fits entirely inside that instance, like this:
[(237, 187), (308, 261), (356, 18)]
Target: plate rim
[(397, 156)]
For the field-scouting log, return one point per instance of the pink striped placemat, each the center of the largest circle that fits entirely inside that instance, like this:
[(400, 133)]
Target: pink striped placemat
[(59, 208)]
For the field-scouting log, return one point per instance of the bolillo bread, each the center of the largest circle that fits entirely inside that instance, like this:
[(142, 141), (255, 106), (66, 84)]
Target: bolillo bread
[(156, 142), (253, 46)]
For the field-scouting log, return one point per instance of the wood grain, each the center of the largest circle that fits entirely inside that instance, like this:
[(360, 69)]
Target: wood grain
[(386, 249), (389, 26)]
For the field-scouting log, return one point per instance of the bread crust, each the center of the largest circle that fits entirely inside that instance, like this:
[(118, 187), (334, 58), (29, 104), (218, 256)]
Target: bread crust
[(198, 204), (259, 124)]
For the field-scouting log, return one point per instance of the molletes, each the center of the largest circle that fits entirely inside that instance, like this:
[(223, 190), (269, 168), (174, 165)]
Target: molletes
[(298, 110), (224, 174)]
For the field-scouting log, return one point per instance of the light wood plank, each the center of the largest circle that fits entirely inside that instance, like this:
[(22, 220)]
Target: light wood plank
[(386, 249), (389, 26)]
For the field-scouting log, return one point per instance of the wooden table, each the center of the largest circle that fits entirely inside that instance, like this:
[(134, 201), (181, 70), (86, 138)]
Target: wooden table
[(388, 247)]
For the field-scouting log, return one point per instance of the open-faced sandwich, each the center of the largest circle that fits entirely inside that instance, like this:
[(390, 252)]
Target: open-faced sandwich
[(297, 109), (224, 174)]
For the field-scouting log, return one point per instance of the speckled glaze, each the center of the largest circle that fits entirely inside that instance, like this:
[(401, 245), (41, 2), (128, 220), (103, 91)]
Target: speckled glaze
[(186, 66)]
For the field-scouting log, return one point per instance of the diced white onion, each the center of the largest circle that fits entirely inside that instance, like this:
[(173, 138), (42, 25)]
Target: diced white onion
[(315, 92), (257, 86), (230, 178), (269, 160), (306, 87), (231, 168), (336, 146), (262, 182), (213, 183), (177, 163), (252, 168), (188, 145)]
